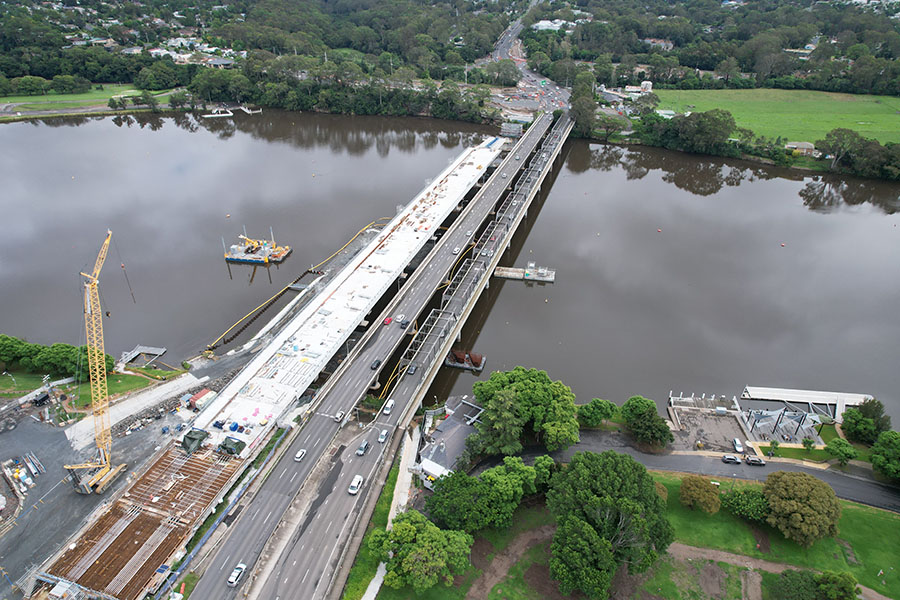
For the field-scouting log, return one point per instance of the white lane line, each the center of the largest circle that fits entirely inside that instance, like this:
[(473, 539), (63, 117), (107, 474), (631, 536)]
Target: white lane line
[(267, 517), (292, 477), (317, 442), (329, 526), (283, 471), (304, 576), (295, 563), (225, 562)]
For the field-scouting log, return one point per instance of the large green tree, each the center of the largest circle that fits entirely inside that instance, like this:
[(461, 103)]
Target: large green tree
[(802, 507), (419, 554), (699, 492), (581, 559), (614, 496), (859, 428), (747, 503), (523, 401), (645, 423), (596, 411), (886, 454), (842, 450)]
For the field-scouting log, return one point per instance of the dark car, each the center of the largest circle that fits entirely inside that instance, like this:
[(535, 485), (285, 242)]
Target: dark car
[(375, 364), (730, 458), (404, 324), (755, 461)]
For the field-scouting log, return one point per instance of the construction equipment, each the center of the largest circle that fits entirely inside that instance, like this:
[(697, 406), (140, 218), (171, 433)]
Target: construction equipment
[(96, 476)]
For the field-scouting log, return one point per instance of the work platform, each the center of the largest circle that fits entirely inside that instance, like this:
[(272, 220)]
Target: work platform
[(529, 273)]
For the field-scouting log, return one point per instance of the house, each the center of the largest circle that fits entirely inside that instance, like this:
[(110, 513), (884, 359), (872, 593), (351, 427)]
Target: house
[(803, 149), (218, 62), (658, 43), (554, 25), (132, 50), (448, 441)]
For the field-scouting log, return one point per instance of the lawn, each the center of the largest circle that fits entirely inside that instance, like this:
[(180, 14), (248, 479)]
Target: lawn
[(514, 586), (24, 382), (117, 383), (828, 433), (797, 115), (366, 562), (93, 96), (190, 582), (869, 539), (161, 374), (798, 453)]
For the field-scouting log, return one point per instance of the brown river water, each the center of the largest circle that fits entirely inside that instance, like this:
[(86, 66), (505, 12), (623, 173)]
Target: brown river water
[(674, 271)]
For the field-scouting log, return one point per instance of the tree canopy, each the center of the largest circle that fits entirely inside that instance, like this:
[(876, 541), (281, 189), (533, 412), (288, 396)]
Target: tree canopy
[(419, 554), (596, 411), (523, 402), (645, 423), (57, 359), (842, 450), (747, 503), (610, 501), (886, 454), (802, 507), (699, 492)]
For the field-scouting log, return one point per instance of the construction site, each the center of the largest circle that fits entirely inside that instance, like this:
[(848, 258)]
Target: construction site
[(127, 548)]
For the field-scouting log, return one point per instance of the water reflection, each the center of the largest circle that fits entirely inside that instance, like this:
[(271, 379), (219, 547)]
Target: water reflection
[(706, 176)]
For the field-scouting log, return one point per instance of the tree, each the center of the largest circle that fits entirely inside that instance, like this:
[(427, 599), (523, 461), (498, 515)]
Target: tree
[(617, 498), (842, 450), (836, 586), (523, 401), (795, 585), (856, 426), (115, 103), (802, 507), (178, 100), (809, 444), (609, 125), (544, 467), (699, 492), (747, 503), (419, 554), (30, 85), (728, 69), (839, 143), (596, 411), (584, 113), (644, 422), (581, 559), (584, 85), (872, 408), (886, 454)]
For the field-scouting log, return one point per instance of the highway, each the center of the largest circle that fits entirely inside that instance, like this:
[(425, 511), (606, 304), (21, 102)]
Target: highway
[(302, 572)]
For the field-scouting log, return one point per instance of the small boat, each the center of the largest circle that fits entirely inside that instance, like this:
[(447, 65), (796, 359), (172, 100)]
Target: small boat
[(256, 252)]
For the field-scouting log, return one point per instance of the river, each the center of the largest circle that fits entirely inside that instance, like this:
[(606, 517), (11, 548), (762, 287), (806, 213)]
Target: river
[(674, 272)]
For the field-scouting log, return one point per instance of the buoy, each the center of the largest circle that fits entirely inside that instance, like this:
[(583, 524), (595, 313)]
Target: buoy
[(659, 231), (546, 299), (227, 215), (782, 245)]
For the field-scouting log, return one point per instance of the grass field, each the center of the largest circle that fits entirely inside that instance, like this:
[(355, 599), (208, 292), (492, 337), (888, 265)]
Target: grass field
[(798, 453), (798, 115), (869, 540), (93, 96), (366, 562), (24, 382), (117, 383)]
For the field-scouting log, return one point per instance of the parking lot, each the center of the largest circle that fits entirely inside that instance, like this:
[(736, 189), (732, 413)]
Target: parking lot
[(714, 431)]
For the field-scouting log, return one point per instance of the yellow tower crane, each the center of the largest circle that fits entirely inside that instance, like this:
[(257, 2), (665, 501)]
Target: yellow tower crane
[(95, 476)]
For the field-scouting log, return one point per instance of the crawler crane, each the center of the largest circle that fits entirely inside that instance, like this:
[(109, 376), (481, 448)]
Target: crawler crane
[(96, 476)]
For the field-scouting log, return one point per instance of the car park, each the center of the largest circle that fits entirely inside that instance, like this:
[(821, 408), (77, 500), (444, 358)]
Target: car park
[(755, 461), (236, 575), (355, 485), (382, 437), (732, 459), (363, 448), (339, 416), (300, 454)]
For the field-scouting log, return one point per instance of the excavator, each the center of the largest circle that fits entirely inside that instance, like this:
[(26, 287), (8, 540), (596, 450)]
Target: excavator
[(96, 476)]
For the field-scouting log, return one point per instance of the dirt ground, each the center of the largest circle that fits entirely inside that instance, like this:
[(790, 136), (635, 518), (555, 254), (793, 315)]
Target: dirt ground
[(494, 571), (716, 432)]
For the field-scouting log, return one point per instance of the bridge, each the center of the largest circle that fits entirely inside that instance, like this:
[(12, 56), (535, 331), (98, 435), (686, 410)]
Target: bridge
[(170, 498)]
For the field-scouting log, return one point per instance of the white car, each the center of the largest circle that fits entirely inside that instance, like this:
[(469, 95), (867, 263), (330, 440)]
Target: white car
[(339, 416), (355, 485), (457, 250), (236, 575), (399, 317), (382, 437), (300, 454)]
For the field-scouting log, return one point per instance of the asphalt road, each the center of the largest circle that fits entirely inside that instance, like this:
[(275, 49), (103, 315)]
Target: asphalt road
[(865, 491), (303, 571)]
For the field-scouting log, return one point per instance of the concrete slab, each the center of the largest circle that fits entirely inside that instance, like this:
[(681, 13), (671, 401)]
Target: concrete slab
[(714, 431)]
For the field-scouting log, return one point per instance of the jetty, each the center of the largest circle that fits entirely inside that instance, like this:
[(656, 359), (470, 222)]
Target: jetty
[(529, 273)]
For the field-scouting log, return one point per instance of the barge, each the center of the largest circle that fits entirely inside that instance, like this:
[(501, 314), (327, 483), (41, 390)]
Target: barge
[(255, 252)]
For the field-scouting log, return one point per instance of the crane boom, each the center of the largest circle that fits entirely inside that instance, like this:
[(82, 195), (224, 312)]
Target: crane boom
[(101, 472)]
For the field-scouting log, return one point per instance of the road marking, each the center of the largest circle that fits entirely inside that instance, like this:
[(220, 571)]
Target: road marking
[(329, 526), (225, 562), (317, 442), (304, 575), (292, 476), (295, 564), (282, 473), (267, 517)]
